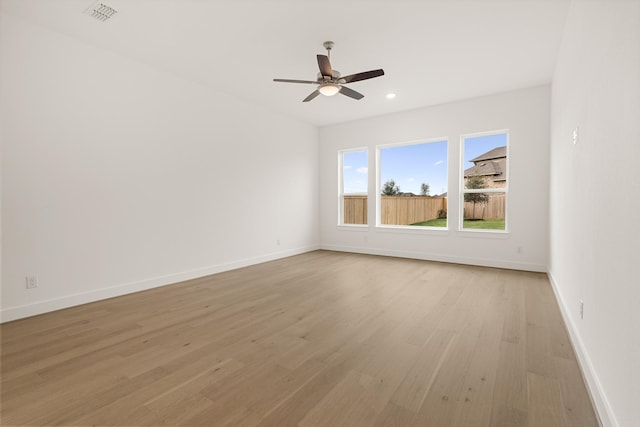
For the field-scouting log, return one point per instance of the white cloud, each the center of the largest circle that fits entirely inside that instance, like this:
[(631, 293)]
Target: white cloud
[(347, 166), (411, 180), (439, 162), (362, 170)]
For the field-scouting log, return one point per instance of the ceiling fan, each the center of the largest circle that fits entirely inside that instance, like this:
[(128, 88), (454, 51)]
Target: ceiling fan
[(330, 81)]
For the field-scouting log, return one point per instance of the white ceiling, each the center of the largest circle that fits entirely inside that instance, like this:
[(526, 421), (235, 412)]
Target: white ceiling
[(432, 51)]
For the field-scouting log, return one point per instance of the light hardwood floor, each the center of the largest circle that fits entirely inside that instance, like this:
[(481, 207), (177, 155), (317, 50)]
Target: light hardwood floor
[(319, 339)]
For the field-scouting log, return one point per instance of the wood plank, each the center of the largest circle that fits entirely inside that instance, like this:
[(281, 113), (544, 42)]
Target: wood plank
[(396, 416), (545, 401), (509, 406), (446, 393), (347, 404), (577, 404), (538, 337), (294, 408), (418, 380), (479, 381)]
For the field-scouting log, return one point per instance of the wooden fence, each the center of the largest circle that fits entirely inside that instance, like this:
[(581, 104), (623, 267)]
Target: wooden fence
[(402, 210), (494, 208), (355, 210), (395, 210)]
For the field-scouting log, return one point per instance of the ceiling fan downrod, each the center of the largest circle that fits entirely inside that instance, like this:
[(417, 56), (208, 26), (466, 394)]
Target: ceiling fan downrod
[(328, 45)]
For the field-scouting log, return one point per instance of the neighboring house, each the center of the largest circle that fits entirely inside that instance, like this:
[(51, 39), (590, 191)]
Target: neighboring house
[(491, 165)]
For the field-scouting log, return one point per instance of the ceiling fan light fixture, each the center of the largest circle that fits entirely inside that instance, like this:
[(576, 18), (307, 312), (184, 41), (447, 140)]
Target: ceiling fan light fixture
[(329, 89)]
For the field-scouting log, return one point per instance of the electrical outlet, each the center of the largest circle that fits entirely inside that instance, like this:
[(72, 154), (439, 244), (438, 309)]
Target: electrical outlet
[(278, 242), (32, 282), (519, 249), (581, 309)]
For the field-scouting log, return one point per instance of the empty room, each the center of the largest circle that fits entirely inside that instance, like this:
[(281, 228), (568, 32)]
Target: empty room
[(304, 213)]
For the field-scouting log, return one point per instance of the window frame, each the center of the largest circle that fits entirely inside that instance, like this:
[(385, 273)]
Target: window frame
[(378, 188), (341, 194), (462, 191)]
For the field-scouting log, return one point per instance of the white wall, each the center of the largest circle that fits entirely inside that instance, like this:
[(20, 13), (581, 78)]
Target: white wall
[(118, 177), (525, 113), (595, 199)]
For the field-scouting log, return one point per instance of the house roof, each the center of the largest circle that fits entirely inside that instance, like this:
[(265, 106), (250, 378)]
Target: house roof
[(493, 163), (490, 168), (496, 153)]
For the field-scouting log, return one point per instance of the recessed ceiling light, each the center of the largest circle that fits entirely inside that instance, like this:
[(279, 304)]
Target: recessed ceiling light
[(391, 95)]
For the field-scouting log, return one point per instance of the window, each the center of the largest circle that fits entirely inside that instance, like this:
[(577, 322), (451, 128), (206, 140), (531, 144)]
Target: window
[(413, 184), (485, 181), (354, 186)]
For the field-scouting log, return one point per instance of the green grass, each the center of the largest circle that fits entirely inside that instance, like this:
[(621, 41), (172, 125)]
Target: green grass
[(485, 224), (492, 224)]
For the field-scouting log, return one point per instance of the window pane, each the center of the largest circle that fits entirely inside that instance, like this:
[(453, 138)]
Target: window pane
[(413, 185), (485, 161), (354, 187), (484, 210), (485, 168)]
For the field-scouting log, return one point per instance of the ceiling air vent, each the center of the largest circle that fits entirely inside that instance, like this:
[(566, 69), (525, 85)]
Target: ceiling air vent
[(101, 11)]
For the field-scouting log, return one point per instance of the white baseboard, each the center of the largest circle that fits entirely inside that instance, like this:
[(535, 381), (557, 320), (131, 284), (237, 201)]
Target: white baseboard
[(482, 262), (18, 312), (598, 397)]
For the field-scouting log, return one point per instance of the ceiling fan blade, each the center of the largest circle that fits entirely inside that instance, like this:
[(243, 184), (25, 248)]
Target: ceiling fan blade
[(325, 66), (294, 81), (311, 96), (350, 93), (363, 76)]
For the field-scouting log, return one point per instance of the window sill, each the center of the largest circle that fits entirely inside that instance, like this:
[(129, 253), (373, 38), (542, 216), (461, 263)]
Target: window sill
[(402, 229), (353, 227), (483, 234)]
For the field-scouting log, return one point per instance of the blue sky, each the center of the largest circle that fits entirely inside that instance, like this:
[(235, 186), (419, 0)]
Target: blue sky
[(354, 172), (411, 165), (477, 145)]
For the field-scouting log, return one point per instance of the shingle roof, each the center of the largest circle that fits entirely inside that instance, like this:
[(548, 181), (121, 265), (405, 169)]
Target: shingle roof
[(493, 163), (496, 153), (491, 168)]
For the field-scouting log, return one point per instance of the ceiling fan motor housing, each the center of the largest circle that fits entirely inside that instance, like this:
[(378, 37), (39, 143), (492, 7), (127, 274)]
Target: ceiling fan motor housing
[(335, 76)]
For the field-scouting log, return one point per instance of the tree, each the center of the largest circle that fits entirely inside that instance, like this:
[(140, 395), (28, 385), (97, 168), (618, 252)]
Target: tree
[(424, 189), (473, 183), (390, 188)]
